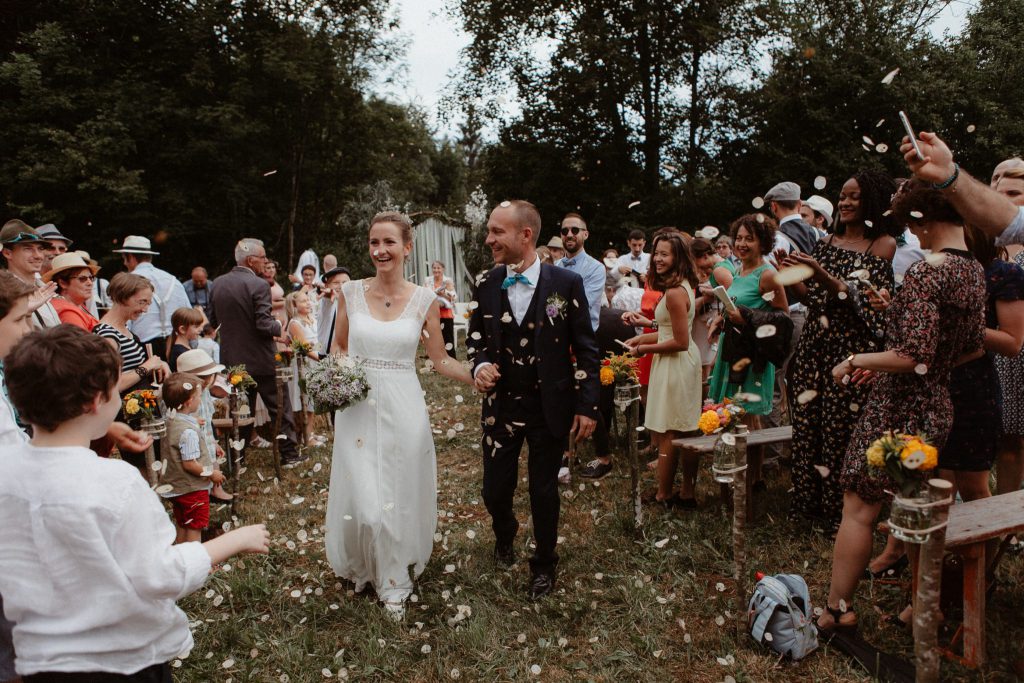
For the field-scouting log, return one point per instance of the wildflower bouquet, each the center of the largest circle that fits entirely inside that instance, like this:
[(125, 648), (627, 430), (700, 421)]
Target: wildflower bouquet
[(720, 417), (905, 458), (141, 405), (239, 378), (300, 348), (618, 369), (283, 358), (335, 383)]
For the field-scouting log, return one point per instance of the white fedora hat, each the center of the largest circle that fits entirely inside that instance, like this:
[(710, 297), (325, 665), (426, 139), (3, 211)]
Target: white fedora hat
[(822, 206), (198, 362), (133, 244)]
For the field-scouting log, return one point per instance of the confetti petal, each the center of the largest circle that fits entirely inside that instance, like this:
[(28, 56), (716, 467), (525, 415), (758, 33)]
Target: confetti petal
[(887, 79), (765, 331), (632, 204), (820, 182), (757, 202), (791, 275), (806, 396)]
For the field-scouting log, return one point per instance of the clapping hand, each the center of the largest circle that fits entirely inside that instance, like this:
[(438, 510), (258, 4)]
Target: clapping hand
[(38, 298), (635, 319)]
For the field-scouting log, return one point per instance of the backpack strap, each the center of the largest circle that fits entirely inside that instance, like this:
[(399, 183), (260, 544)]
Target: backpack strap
[(765, 609)]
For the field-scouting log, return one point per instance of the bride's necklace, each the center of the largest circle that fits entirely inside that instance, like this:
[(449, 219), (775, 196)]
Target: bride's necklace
[(387, 297)]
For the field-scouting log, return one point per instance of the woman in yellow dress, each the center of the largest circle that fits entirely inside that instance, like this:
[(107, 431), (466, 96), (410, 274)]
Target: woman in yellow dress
[(674, 393)]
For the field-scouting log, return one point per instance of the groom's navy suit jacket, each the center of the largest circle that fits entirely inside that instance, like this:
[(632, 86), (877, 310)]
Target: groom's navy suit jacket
[(556, 339)]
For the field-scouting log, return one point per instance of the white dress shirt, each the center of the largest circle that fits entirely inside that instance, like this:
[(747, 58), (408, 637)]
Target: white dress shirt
[(89, 572), (168, 296), (782, 242), (638, 263), (520, 294), (10, 433), (1014, 232)]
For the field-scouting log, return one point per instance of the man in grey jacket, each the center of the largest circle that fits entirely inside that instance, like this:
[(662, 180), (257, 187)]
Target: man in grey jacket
[(240, 305)]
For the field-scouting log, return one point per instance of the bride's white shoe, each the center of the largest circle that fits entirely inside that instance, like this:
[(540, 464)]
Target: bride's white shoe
[(396, 610)]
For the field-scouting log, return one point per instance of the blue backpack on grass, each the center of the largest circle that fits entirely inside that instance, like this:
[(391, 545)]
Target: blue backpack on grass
[(780, 616)]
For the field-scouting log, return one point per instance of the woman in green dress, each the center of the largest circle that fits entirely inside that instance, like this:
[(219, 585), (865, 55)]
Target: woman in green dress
[(754, 286)]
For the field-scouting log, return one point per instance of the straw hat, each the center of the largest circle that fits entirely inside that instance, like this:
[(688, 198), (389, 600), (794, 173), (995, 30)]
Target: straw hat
[(68, 261), (555, 243), (198, 362), (134, 244)]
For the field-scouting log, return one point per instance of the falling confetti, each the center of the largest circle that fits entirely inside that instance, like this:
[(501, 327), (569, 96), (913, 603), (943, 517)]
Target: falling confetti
[(820, 182), (881, 148), (879, 124), (765, 331), (757, 202), (916, 214), (868, 141), (632, 204), (823, 471), (887, 79), (791, 275), (921, 369), (806, 396), (768, 296), (971, 128)]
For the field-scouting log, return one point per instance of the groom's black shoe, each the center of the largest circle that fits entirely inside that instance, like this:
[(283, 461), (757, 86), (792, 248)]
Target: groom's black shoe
[(541, 585), (504, 554)]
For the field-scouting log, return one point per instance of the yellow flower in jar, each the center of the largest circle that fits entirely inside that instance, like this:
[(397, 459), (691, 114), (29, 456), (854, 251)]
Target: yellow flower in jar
[(917, 455), (236, 379), (876, 454), (607, 376), (132, 406), (709, 422)]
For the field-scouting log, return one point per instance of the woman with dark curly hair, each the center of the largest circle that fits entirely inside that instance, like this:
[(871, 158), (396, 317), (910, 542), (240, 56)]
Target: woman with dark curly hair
[(840, 321), (753, 286), (935, 321)]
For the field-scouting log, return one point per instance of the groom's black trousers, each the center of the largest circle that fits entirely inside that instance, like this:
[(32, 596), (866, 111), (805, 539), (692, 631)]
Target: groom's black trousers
[(501, 474)]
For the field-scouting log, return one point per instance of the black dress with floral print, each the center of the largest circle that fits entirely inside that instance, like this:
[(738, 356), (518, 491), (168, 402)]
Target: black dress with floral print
[(824, 413), (937, 317)]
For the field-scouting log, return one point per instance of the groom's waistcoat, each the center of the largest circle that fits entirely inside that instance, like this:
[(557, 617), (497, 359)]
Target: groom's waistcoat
[(518, 364)]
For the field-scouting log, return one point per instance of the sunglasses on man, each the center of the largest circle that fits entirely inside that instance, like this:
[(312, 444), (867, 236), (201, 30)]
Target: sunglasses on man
[(574, 230), (22, 237)]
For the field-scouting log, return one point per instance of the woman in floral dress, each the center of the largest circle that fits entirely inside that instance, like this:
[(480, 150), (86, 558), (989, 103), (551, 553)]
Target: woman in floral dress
[(840, 321), (936, 319)]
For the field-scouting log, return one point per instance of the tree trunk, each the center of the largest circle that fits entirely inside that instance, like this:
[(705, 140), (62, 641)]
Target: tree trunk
[(739, 530), (929, 583)]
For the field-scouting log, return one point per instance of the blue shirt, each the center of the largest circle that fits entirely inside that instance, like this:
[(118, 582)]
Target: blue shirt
[(1014, 232), (594, 275)]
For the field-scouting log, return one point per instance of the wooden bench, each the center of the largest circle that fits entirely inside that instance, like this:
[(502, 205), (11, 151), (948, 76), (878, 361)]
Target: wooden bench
[(758, 437), (971, 525)]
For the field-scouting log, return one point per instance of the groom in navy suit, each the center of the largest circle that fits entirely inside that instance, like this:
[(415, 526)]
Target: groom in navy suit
[(530, 322)]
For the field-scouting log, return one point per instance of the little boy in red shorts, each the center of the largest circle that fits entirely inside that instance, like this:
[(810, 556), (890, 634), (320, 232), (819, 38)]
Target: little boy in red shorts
[(190, 472)]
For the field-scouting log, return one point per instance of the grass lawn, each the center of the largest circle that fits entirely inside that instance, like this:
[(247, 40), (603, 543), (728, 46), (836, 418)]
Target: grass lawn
[(654, 606)]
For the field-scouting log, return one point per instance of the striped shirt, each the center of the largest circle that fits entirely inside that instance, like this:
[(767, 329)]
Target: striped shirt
[(133, 353)]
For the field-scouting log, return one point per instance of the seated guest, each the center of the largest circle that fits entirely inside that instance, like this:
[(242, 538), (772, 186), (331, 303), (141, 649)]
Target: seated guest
[(74, 278), (96, 568)]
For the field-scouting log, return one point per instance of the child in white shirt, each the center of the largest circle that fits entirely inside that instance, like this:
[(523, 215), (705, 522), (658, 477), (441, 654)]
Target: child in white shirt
[(89, 571)]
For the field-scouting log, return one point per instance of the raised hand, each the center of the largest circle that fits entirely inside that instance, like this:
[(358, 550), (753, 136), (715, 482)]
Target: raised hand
[(937, 165)]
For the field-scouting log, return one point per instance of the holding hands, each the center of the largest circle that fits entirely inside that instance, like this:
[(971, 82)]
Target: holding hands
[(487, 377)]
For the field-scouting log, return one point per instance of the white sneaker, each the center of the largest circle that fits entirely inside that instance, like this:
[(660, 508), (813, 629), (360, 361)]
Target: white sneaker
[(259, 442), (564, 477)]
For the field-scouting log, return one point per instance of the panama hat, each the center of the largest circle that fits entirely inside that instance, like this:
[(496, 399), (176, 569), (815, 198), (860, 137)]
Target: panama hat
[(555, 243), (133, 244), (68, 261), (198, 362), (822, 206), (50, 233)]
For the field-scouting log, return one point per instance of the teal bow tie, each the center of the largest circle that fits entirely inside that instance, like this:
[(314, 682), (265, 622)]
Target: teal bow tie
[(512, 279), (569, 261)]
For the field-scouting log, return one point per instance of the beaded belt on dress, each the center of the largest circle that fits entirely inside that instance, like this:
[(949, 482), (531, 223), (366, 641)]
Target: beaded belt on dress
[(378, 364)]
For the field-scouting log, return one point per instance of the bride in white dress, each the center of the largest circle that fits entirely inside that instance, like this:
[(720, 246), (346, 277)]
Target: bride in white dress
[(382, 506)]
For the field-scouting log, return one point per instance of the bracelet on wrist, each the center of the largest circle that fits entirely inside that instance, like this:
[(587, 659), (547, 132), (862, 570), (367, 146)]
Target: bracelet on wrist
[(951, 180)]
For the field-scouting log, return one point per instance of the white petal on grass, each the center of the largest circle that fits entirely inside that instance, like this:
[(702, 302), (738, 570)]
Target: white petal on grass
[(227, 663), (661, 544), (535, 669), (720, 587), (887, 79)]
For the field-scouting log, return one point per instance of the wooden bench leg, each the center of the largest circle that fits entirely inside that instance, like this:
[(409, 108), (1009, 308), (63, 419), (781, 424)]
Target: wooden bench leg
[(974, 604)]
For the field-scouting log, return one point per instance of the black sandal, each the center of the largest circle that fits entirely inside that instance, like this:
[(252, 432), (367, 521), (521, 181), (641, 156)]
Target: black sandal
[(889, 572), (837, 626)]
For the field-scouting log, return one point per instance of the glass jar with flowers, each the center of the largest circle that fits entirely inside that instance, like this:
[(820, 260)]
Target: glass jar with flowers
[(723, 419), (142, 410), (906, 459)]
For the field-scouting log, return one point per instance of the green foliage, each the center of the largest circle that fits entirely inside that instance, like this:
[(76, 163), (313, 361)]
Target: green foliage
[(199, 123)]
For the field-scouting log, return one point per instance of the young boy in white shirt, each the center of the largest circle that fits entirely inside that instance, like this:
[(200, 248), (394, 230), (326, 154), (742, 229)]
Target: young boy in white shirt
[(89, 571)]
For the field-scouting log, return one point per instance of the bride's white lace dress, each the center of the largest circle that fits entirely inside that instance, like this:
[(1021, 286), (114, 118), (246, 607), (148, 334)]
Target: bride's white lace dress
[(382, 505)]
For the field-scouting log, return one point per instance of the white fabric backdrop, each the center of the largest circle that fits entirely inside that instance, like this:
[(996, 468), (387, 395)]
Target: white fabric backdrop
[(435, 240)]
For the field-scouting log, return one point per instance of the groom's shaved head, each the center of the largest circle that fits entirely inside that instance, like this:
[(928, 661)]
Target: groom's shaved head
[(527, 215)]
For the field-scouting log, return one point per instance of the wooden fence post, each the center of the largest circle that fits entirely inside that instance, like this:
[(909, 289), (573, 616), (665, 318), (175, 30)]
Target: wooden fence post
[(929, 583), (234, 454), (739, 529), (632, 420)]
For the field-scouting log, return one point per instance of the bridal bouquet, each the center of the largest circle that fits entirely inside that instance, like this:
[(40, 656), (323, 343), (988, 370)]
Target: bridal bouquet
[(335, 383)]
